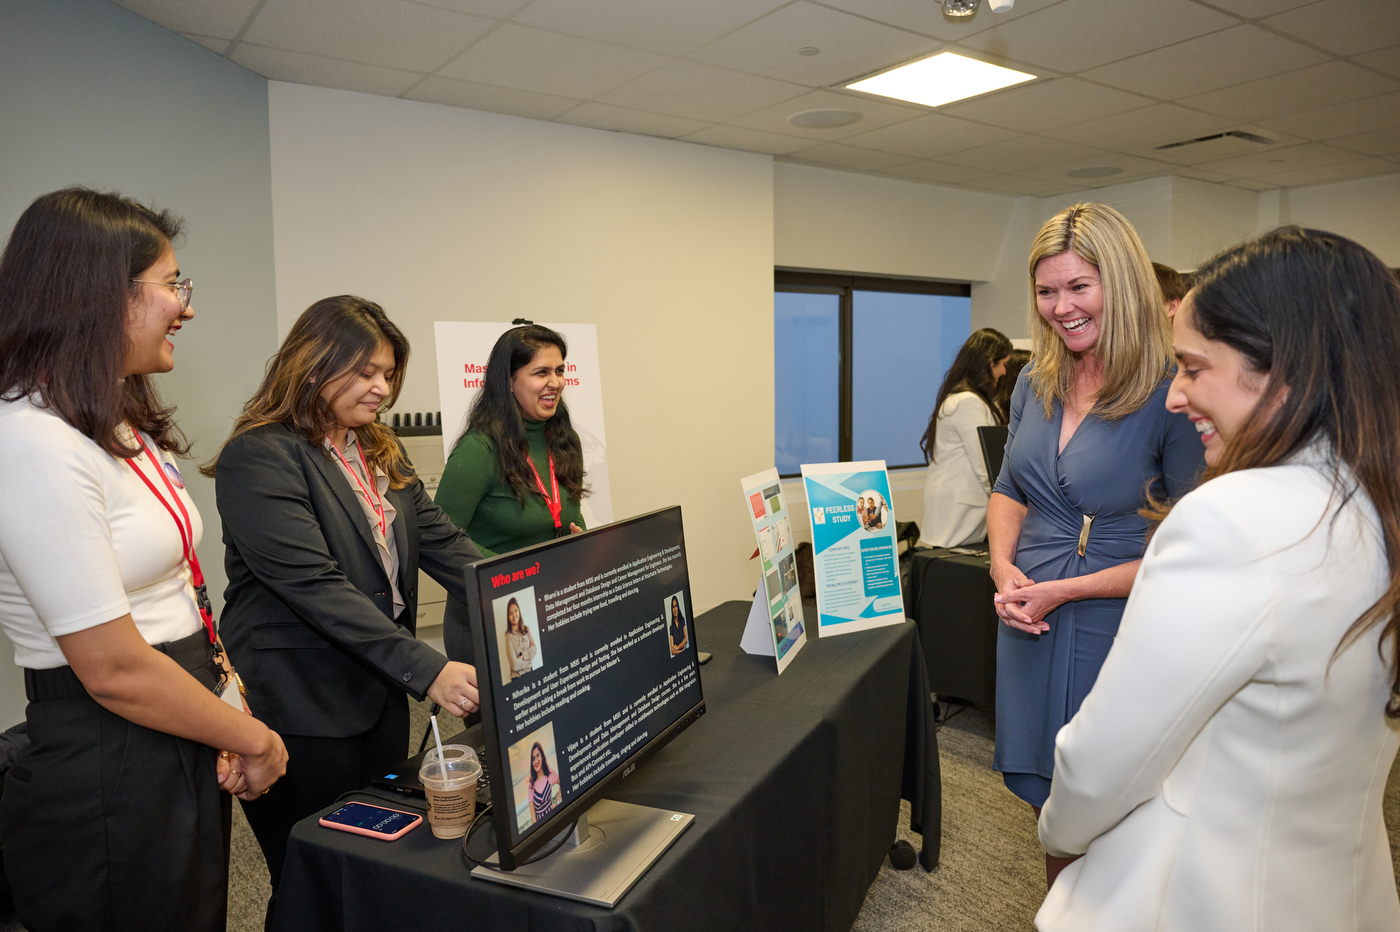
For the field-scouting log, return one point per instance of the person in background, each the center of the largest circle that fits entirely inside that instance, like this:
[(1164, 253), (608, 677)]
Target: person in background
[(515, 478), (1173, 286), (957, 486), (1001, 399), (113, 817), (1227, 770), (325, 528), (1089, 433)]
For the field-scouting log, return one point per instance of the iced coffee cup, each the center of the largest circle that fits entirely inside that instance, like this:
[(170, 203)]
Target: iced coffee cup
[(449, 782)]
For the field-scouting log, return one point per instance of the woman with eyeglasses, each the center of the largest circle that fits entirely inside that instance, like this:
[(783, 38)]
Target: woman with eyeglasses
[(119, 807)]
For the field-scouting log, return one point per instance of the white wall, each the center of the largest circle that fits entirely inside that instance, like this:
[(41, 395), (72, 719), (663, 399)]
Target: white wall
[(439, 213), (92, 94), (1366, 211)]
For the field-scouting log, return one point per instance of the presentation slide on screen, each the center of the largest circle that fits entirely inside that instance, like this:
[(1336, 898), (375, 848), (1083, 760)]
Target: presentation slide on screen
[(594, 657), (855, 552), (782, 620)]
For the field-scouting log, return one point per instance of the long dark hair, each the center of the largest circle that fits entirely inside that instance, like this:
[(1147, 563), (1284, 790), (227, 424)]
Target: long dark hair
[(1321, 315), (332, 338), (1001, 398), (65, 295), (495, 414), (971, 371), (544, 763)]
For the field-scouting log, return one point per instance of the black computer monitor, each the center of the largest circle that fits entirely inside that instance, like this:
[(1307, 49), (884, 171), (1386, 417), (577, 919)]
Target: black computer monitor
[(586, 664), (993, 441)]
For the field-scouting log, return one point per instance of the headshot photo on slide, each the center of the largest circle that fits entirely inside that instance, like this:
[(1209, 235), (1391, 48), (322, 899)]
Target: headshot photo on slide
[(534, 774), (517, 634), (677, 631)]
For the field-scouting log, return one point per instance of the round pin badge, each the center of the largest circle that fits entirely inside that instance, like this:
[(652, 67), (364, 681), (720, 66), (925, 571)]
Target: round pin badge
[(174, 474)]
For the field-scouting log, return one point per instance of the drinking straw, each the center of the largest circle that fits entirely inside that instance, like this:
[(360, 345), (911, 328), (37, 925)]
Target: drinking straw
[(437, 736)]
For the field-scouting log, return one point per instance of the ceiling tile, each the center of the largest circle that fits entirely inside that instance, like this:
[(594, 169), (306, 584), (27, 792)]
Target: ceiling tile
[(1133, 167), (1385, 60), (670, 28), (1253, 9), (1346, 119), (495, 8), (1076, 35), (1274, 160), (1207, 63), (1016, 184), (217, 19), (217, 46), (749, 140), (300, 68), (930, 136), (701, 92), (1347, 27), (850, 46), (874, 114), (1381, 142), (1306, 89), (940, 172), (622, 120), (1250, 184), (926, 16), (1143, 129), (549, 63), (1200, 174), (389, 33), (1325, 174), (508, 100), (1020, 154), (839, 156), (1047, 104)]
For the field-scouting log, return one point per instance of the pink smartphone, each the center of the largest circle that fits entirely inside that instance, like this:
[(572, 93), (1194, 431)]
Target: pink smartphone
[(374, 821)]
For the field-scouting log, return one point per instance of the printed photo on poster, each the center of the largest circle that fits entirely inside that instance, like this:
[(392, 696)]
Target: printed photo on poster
[(677, 631), (534, 773), (517, 634)]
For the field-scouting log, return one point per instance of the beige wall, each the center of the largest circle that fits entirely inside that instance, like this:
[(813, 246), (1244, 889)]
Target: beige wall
[(447, 214), (1367, 211)]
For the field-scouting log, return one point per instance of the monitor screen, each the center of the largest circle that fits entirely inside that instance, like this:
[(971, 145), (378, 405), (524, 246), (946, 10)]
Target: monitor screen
[(586, 662)]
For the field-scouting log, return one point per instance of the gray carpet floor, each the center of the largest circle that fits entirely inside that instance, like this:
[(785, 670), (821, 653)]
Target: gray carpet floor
[(991, 876)]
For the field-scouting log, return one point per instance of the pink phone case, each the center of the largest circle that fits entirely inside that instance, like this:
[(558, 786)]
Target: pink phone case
[(382, 836)]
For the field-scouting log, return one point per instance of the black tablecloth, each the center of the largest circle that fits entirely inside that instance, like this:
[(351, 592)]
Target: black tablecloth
[(794, 781), (950, 597)]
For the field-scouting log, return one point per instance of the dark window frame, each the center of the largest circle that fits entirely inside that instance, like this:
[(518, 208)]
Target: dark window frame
[(803, 281)]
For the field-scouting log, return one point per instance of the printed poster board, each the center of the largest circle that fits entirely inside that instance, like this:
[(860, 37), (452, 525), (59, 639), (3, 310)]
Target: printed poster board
[(463, 348), (854, 547), (775, 627)]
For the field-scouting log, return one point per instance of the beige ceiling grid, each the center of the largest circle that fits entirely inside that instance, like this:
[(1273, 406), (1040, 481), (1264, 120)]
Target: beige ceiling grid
[(1308, 91)]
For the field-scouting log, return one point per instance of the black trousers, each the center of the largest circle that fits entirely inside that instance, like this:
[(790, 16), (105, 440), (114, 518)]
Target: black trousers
[(318, 771), (111, 826)]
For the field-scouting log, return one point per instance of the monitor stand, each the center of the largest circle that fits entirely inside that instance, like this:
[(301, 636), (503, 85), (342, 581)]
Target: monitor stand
[(607, 851)]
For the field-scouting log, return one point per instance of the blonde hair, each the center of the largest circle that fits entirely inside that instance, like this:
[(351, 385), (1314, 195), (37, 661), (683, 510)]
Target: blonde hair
[(1135, 337)]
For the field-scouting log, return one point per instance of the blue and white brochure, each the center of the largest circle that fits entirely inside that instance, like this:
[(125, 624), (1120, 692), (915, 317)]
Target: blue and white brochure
[(856, 556)]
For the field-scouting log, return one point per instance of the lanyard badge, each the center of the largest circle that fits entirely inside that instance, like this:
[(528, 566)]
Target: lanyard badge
[(556, 504)]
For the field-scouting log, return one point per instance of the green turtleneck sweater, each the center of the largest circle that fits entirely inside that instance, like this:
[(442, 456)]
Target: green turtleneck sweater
[(479, 500)]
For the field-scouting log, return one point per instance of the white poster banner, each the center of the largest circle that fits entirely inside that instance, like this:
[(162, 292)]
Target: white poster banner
[(463, 348)]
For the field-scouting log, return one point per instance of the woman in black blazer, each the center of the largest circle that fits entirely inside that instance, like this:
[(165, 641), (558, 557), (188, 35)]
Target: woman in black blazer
[(325, 528)]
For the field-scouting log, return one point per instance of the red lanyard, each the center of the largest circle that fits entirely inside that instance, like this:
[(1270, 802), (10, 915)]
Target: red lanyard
[(556, 504), (377, 503), (186, 527)]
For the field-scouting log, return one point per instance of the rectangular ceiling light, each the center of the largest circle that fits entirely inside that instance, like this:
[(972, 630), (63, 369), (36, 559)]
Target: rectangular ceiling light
[(940, 80)]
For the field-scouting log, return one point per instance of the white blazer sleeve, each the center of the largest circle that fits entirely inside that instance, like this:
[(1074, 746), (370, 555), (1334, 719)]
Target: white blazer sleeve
[(1195, 630), (970, 413)]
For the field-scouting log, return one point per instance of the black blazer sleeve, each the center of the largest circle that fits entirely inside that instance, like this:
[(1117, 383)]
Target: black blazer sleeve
[(307, 617)]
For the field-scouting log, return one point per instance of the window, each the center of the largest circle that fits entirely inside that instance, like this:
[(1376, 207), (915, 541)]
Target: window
[(858, 363)]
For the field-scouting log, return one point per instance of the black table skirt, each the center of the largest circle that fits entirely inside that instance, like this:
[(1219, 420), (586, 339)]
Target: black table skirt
[(950, 597), (795, 783)]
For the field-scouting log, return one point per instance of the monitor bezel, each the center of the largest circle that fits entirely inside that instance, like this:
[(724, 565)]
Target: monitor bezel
[(502, 811)]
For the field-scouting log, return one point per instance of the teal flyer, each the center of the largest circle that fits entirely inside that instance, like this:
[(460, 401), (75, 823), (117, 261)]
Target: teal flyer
[(855, 554)]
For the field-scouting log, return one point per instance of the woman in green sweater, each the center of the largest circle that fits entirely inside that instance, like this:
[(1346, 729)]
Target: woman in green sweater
[(516, 476)]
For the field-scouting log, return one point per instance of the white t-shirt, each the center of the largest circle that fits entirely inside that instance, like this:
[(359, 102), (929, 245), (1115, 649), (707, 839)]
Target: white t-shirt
[(83, 541)]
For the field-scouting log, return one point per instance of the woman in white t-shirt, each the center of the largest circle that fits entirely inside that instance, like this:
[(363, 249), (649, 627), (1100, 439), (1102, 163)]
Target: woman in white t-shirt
[(957, 487), (117, 814)]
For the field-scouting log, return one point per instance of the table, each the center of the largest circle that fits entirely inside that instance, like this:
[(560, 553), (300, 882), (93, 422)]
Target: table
[(950, 598), (794, 780)]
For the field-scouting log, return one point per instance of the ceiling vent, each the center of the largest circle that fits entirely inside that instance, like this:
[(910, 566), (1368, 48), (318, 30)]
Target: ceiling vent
[(1216, 146)]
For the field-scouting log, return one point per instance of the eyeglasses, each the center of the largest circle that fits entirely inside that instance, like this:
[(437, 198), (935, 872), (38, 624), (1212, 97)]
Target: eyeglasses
[(184, 290)]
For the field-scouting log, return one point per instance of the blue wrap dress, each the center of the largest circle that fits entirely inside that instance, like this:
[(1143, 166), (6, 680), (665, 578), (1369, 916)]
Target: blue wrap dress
[(1104, 471)]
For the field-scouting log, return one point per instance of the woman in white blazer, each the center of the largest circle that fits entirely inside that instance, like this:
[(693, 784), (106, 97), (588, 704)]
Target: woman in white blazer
[(1226, 771), (957, 485)]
